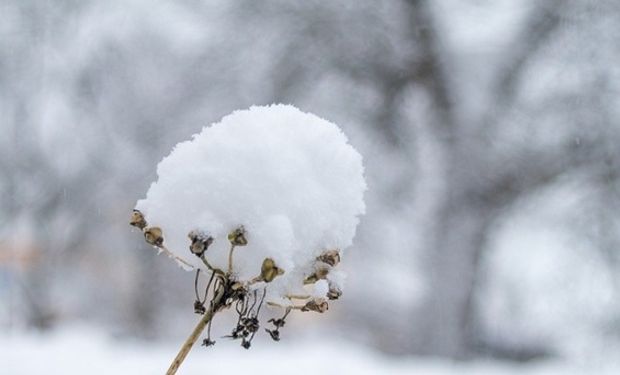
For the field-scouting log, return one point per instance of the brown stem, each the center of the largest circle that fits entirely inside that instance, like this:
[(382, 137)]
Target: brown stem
[(297, 296), (230, 259), (210, 267), (171, 255), (191, 340)]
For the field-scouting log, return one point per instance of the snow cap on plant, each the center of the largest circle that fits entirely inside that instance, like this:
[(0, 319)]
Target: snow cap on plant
[(290, 178), (265, 200)]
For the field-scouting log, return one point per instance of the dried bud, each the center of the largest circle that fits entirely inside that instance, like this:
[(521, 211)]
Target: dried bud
[(277, 322), (331, 257), (250, 324), (199, 308), (269, 270), (154, 236), (275, 334), (316, 304), (334, 292), (200, 242), (137, 219), (319, 274), (208, 342), (237, 237)]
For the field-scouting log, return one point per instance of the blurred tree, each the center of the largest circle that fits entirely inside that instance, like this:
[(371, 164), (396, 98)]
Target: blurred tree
[(456, 132), (401, 51)]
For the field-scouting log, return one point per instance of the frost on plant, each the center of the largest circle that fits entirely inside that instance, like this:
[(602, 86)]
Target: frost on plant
[(261, 205)]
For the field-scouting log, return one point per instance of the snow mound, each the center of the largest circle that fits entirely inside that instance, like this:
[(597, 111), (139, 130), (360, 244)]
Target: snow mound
[(290, 178)]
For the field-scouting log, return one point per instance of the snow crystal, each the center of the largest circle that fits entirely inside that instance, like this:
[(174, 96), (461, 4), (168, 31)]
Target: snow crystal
[(290, 178)]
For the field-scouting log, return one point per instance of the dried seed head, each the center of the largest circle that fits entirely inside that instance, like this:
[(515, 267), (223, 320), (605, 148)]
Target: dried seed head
[(137, 219), (316, 304), (208, 342), (250, 324), (200, 242), (237, 237), (320, 273), (154, 236), (334, 292), (269, 270), (280, 322), (331, 257), (199, 308), (275, 334)]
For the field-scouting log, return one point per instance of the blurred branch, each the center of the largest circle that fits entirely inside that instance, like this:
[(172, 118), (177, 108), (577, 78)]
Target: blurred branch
[(388, 114), (533, 169), (430, 70), (543, 21)]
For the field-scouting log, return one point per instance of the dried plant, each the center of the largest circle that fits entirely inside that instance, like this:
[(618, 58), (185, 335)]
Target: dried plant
[(225, 291)]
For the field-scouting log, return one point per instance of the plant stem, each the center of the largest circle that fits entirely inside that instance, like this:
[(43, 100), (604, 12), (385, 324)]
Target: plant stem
[(230, 258), (193, 337), (171, 255), (210, 267)]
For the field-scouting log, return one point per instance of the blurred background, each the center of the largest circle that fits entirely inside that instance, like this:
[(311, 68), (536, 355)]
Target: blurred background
[(490, 133)]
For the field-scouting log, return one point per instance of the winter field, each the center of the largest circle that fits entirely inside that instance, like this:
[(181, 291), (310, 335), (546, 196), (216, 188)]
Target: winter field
[(414, 181), (84, 350)]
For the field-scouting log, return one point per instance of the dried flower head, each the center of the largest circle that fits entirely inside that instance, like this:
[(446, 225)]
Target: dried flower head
[(237, 237), (269, 270), (316, 304), (334, 292), (291, 203), (200, 242), (154, 236), (330, 257), (320, 273), (137, 219)]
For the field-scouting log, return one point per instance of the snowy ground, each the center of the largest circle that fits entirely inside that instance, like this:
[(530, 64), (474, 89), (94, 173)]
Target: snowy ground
[(87, 351)]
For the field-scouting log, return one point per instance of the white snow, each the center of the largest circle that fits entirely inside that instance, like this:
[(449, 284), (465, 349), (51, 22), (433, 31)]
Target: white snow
[(290, 178), (83, 350)]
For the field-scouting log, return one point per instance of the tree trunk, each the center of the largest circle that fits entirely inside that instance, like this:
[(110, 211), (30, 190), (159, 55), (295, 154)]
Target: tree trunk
[(452, 264)]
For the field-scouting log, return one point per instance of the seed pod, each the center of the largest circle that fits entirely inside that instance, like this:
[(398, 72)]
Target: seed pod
[(251, 324), (316, 304), (269, 270), (208, 342), (275, 334), (137, 219), (200, 242), (280, 322), (237, 237), (334, 292), (331, 257), (154, 236), (320, 274), (199, 308)]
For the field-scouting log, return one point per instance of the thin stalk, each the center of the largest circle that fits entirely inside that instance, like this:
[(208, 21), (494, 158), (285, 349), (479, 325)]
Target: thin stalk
[(171, 255), (210, 267), (230, 258), (193, 337), (273, 304), (297, 296)]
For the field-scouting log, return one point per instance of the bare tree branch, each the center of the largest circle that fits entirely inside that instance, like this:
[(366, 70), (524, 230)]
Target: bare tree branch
[(533, 169), (430, 70), (543, 21)]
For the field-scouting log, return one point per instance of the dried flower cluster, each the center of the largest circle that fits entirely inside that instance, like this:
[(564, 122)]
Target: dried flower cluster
[(224, 290), (260, 205)]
